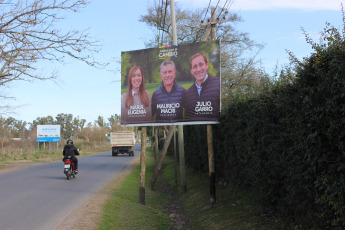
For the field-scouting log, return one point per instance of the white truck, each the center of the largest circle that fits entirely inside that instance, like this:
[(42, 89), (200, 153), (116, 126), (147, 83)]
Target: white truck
[(122, 142)]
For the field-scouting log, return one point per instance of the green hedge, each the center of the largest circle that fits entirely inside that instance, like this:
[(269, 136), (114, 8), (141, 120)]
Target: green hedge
[(287, 145)]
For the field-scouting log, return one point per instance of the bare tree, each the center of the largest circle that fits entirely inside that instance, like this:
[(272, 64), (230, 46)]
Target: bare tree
[(29, 35), (158, 18)]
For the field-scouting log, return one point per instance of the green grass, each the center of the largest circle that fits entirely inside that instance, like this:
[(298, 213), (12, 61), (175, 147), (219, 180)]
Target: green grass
[(234, 210), (123, 211)]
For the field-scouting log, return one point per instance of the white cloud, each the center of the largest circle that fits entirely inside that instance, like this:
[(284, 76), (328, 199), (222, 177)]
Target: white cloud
[(267, 4)]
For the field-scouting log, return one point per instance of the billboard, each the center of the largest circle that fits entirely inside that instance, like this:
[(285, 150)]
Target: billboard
[(48, 133), (171, 85)]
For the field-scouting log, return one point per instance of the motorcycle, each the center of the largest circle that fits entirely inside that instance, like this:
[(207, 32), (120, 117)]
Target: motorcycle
[(69, 168)]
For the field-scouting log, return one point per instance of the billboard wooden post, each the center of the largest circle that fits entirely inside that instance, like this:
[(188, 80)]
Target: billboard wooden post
[(175, 158), (142, 166), (156, 143), (211, 165), (182, 159)]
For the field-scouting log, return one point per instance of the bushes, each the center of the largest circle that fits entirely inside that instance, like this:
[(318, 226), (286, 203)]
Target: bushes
[(288, 145)]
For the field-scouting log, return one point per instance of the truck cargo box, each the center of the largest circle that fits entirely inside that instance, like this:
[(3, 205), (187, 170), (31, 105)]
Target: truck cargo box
[(122, 142)]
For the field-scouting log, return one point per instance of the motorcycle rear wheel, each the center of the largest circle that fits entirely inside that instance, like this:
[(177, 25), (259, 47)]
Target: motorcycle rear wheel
[(68, 174)]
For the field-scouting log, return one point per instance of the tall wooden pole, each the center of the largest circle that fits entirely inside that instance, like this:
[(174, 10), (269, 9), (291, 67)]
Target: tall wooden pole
[(211, 28), (180, 127), (173, 22), (142, 166)]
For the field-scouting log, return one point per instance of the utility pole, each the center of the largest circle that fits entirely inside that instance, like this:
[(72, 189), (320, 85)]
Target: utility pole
[(211, 29), (173, 21), (180, 127), (211, 25)]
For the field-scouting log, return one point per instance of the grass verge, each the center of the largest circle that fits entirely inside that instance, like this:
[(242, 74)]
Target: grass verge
[(123, 211), (234, 209)]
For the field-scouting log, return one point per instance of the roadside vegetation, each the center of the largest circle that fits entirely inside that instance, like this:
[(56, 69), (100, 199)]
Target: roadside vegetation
[(25, 151), (166, 207), (287, 144), (18, 139)]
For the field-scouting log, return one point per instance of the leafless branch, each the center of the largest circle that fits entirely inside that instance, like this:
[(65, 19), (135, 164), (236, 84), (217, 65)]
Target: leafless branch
[(29, 34)]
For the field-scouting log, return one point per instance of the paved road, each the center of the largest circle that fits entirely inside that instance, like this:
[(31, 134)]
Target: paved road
[(40, 197)]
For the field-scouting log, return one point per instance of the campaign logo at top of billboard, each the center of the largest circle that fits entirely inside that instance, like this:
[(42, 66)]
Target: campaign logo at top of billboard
[(167, 52), (48, 133), (171, 85)]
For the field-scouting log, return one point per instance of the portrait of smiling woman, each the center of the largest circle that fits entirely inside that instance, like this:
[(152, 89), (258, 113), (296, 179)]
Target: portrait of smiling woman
[(136, 103)]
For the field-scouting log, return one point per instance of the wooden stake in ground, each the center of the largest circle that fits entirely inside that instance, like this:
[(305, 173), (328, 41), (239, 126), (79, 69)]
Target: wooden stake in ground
[(142, 166), (161, 157)]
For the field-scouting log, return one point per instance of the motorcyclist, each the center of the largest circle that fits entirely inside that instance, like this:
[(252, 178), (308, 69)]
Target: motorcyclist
[(71, 150)]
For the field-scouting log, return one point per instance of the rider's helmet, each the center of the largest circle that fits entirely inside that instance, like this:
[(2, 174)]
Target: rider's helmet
[(70, 142)]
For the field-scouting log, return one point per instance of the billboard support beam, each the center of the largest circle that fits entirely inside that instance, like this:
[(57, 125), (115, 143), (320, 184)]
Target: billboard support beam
[(142, 166), (211, 165), (182, 158), (161, 157), (155, 128)]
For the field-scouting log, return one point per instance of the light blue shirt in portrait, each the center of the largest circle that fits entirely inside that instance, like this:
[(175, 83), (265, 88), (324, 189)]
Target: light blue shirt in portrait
[(200, 87)]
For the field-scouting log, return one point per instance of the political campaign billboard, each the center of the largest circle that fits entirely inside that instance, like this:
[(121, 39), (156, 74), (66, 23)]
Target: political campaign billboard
[(48, 133), (171, 85)]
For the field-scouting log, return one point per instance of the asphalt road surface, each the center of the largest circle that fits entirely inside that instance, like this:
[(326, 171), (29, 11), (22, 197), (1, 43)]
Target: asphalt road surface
[(41, 197)]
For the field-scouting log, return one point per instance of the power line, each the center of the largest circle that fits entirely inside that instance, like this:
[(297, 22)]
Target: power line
[(207, 10), (217, 4), (214, 12), (211, 25), (220, 14)]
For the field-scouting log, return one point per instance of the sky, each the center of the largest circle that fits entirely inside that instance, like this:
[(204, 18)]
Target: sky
[(87, 92)]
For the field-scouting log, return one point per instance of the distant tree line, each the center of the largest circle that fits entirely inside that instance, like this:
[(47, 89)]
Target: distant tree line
[(71, 127)]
